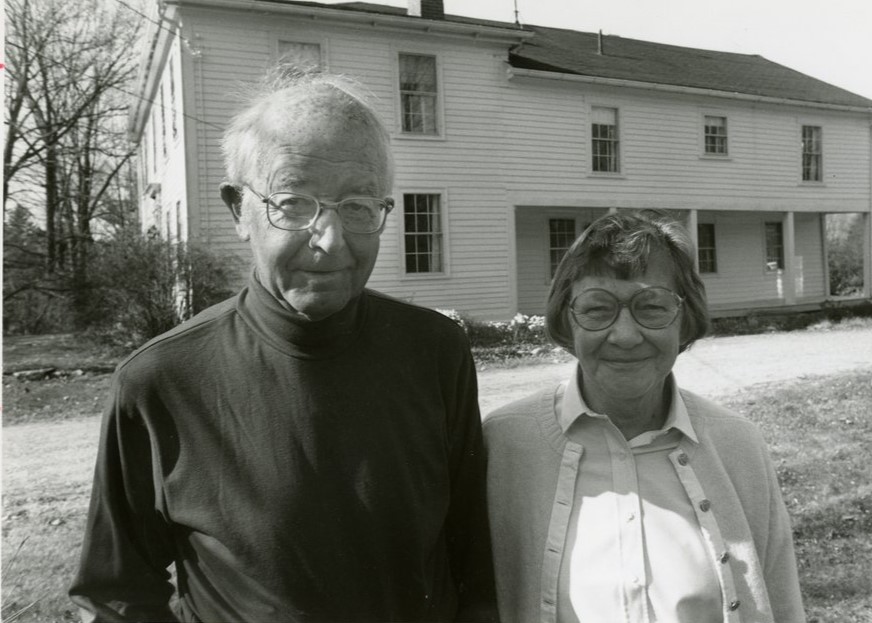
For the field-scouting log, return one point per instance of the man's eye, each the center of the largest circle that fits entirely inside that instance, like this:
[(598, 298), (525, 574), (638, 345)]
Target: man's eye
[(291, 203)]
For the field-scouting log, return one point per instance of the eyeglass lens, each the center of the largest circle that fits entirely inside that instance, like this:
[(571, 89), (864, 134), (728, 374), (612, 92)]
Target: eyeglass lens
[(293, 212), (653, 308)]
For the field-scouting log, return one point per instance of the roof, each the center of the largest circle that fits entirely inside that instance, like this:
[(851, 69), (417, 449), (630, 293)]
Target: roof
[(571, 52)]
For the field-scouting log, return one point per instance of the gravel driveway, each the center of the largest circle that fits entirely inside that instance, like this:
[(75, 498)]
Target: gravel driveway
[(714, 366)]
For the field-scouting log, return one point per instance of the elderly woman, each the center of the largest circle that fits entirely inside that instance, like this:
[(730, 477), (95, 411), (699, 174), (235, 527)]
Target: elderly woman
[(617, 496)]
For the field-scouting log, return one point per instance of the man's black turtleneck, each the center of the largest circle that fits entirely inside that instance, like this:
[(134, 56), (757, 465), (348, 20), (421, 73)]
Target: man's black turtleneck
[(294, 471)]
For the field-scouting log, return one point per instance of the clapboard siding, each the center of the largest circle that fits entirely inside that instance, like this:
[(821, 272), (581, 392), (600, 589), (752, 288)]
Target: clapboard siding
[(162, 155), (742, 275), (476, 279), (512, 151)]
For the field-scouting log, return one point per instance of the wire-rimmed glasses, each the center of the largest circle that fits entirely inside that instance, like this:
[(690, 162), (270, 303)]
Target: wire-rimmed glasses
[(295, 211), (596, 309)]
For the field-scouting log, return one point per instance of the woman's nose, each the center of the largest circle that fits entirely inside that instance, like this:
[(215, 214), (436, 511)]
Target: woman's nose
[(625, 331)]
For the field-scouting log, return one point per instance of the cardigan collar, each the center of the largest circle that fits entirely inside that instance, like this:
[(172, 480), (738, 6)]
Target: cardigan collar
[(294, 335)]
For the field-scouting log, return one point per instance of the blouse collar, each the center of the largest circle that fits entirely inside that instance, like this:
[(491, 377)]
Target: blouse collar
[(574, 407)]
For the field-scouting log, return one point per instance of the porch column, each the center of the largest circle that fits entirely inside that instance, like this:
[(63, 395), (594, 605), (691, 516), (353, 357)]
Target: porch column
[(693, 230), (867, 255), (789, 277)]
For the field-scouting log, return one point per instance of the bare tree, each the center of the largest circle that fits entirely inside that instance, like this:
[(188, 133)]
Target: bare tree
[(70, 66)]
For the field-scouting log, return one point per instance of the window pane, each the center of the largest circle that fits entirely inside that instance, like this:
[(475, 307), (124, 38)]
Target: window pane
[(774, 246), (812, 154), (418, 93), (604, 137), (706, 251), (423, 233), (715, 135), (561, 234), (302, 56)]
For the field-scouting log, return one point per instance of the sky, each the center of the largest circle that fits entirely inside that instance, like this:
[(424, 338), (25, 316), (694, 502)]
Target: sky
[(828, 39)]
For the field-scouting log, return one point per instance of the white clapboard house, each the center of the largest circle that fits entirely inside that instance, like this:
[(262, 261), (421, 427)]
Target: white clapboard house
[(510, 138)]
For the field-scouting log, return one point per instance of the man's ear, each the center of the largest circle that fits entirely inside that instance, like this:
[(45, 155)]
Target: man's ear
[(232, 198)]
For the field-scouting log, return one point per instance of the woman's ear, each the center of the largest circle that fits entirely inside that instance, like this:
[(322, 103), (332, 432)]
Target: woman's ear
[(232, 198)]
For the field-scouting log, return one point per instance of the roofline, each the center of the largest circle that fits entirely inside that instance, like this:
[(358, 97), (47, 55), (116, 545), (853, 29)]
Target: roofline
[(518, 72), (161, 30), (509, 33)]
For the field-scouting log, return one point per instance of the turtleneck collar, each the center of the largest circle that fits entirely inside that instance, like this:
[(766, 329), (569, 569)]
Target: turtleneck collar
[(294, 335)]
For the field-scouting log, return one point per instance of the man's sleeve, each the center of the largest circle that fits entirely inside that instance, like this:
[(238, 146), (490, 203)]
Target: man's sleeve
[(469, 544), (127, 547)]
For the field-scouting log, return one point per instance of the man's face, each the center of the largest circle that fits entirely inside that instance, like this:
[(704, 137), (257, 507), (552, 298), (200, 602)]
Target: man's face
[(317, 271)]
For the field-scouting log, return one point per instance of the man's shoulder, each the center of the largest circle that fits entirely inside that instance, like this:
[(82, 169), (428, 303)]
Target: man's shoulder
[(180, 342), (397, 310)]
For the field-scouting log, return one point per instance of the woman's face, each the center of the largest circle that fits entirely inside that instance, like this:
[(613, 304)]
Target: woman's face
[(626, 361)]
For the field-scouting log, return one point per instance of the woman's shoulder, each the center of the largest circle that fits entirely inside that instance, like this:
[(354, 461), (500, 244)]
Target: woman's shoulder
[(524, 408), (524, 426)]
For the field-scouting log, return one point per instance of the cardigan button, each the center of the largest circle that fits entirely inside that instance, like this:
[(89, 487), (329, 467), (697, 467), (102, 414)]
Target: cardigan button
[(705, 505), (725, 558), (734, 605), (682, 459)]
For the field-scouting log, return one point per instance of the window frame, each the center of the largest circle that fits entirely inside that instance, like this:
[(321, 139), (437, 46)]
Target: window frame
[(617, 141), (713, 248), (442, 195), (439, 98), (766, 254), (705, 136), (819, 154)]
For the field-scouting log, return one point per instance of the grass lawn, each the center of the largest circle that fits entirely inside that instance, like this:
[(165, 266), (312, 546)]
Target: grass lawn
[(819, 429)]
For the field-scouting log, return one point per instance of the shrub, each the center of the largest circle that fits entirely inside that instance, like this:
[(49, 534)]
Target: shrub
[(845, 253), (487, 334), (144, 286)]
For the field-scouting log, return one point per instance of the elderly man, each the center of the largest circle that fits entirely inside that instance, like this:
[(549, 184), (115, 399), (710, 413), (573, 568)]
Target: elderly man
[(309, 450)]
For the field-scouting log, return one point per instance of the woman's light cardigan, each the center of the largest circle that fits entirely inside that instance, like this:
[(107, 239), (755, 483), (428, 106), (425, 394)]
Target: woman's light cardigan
[(728, 475)]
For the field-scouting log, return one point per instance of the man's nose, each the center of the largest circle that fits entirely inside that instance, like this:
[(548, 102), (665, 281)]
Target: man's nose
[(327, 233), (625, 332)]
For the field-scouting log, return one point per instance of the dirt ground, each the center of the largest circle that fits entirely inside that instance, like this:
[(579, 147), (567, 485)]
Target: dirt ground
[(712, 367)]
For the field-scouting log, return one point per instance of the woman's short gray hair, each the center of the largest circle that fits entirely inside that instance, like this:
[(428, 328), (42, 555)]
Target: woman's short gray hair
[(621, 244), (285, 95)]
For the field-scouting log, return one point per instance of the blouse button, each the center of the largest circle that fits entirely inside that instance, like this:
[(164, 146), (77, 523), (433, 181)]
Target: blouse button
[(734, 605), (705, 505), (725, 557), (682, 459)]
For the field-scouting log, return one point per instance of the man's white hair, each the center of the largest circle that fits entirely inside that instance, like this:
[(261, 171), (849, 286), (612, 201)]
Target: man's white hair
[(250, 137)]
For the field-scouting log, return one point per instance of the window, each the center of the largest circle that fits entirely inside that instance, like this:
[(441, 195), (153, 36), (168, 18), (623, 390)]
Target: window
[(163, 121), (422, 221), (173, 99), (301, 56), (418, 93), (715, 135), (705, 248), (154, 140), (774, 246), (604, 133), (812, 154), (561, 234)]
